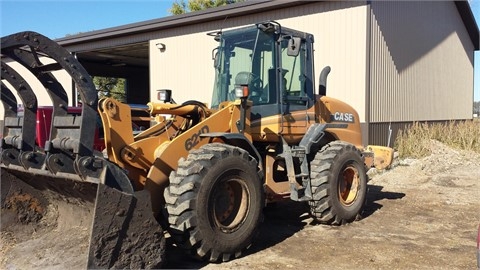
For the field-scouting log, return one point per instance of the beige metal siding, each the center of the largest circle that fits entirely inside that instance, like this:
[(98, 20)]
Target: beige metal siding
[(379, 132), (421, 65), (340, 42), (186, 67)]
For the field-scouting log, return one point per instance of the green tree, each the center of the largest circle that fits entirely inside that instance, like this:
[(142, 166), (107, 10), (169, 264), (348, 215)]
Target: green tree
[(111, 87), (182, 6)]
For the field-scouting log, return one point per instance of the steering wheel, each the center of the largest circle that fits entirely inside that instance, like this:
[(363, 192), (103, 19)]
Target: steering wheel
[(256, 82), (256, 85)]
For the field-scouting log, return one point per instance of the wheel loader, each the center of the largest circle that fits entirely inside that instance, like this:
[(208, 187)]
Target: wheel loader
[(202, 174)]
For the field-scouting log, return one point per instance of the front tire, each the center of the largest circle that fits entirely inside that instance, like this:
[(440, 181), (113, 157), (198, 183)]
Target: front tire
[(339, 184), (215, 201)]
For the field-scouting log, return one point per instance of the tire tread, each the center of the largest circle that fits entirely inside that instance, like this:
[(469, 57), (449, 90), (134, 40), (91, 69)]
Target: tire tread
[(181, 193), (321, 207)]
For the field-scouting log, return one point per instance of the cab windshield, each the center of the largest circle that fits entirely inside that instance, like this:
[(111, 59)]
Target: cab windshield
[(246, 51)]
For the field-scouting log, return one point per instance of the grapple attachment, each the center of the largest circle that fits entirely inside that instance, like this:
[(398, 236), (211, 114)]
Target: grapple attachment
[(124, 233)]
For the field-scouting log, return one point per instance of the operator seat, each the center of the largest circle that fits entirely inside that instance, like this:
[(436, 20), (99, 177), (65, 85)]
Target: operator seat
[(255, 84)]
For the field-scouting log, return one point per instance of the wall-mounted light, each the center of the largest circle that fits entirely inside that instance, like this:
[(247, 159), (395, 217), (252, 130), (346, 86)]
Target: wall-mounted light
[(162, 47)]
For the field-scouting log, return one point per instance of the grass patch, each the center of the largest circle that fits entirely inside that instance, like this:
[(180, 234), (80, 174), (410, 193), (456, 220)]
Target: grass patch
[(414, 142)]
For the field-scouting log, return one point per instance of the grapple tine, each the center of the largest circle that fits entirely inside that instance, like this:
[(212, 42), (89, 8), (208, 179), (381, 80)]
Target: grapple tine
[(70, 135), (11, 129), (9, 102), (25, 124)]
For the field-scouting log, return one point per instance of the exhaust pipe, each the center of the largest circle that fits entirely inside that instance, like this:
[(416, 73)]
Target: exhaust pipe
[(322, 87)]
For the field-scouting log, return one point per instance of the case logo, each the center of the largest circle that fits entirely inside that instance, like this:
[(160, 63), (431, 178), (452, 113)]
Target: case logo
[(342, 117)]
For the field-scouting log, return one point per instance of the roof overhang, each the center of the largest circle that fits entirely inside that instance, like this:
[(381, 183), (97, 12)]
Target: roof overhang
[(211, 14), (469, 21)]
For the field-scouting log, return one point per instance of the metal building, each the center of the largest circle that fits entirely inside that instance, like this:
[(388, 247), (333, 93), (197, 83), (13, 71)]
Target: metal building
[(394, 62)]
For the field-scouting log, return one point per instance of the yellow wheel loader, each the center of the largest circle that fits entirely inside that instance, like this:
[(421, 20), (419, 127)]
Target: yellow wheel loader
[(203, 174)]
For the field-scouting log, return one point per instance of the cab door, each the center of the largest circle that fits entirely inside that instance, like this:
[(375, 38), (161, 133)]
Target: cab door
[(296, 87)]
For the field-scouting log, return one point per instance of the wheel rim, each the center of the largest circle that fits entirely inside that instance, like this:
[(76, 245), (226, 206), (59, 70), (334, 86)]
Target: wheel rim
[(348, 185), (230, 204)]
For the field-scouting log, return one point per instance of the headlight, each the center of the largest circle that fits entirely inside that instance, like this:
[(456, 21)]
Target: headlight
[(164, 95), (241, 91)]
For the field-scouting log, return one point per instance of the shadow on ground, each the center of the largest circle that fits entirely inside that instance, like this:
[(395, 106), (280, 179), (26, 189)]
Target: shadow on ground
[(375, 195), (282, 220)]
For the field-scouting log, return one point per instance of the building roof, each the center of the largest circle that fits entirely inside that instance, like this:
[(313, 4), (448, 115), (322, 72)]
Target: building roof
[(232, 10), (211, 14), (469, 21)]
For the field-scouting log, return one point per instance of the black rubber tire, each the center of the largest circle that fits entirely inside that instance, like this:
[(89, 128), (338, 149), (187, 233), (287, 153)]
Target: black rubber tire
[(215, 179), (336, 200)]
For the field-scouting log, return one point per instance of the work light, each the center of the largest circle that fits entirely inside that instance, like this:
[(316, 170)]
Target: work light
[(241, 91)]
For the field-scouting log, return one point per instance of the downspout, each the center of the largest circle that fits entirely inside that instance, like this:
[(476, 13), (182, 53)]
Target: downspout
[(366, 130)]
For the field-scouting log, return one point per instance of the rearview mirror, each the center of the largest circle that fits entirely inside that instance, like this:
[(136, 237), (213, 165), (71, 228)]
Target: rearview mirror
[(216, 62), (293, 46)]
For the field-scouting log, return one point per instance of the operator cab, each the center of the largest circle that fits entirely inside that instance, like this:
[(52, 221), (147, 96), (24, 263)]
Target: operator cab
[(276, 64)]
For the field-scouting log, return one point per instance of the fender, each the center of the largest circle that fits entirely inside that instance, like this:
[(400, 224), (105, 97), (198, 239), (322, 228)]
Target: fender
[(238, 140), (315, 133)]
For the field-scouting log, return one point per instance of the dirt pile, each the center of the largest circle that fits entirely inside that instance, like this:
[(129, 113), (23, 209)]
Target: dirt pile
[(38, 235)]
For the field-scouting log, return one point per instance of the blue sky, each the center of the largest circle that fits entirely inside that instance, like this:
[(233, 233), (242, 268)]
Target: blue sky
[(56, 19)]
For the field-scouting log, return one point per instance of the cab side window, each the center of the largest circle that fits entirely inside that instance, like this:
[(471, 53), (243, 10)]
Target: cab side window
[(293, 72)]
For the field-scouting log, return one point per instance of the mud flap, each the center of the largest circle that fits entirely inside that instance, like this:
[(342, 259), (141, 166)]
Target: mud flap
[(125, 234)]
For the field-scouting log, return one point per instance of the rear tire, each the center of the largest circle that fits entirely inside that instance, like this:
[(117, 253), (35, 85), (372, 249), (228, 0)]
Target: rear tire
[(214, 202), (339, 184)]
